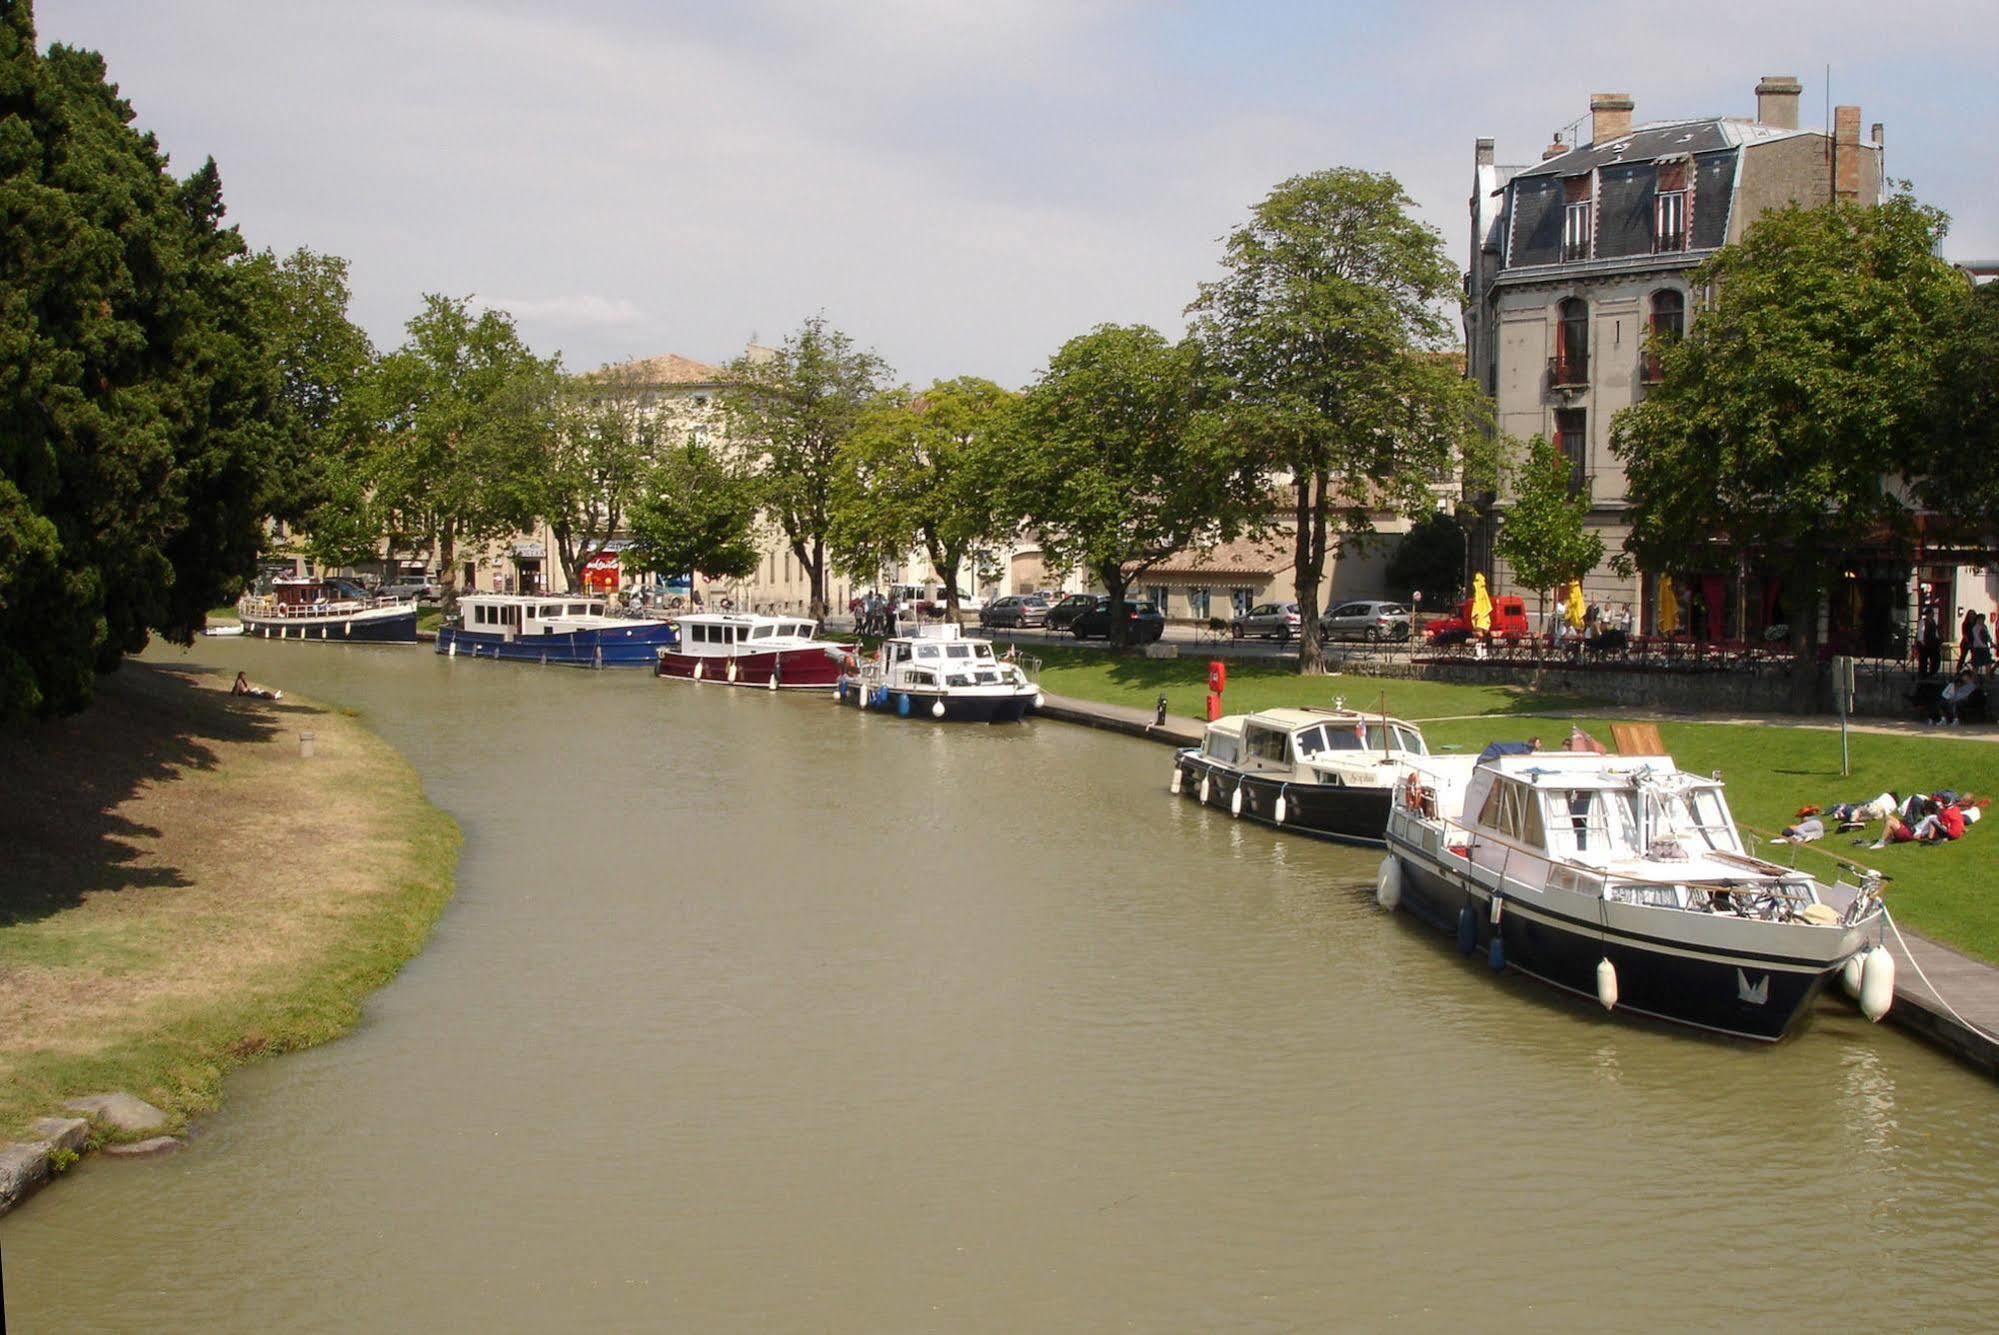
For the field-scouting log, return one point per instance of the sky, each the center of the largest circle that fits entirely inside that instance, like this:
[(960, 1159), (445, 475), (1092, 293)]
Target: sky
[(961, 185)]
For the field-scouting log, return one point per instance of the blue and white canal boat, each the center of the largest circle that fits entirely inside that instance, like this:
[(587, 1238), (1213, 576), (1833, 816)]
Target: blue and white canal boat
[(552, 628), (329, 611)]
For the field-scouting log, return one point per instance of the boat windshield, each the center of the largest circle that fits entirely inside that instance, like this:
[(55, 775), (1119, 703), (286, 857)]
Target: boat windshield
[(1591, 822), (1598, 823), (1362, 737), (1695, 821)]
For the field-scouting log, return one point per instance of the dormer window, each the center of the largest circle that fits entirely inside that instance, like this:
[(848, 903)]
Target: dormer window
[(1576, 227), (1669, 209)]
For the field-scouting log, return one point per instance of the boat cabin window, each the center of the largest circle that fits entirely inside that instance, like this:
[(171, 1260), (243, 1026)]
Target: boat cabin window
[(1514, 810), (1697, 821), (1590, 821), (1221, 746), (958, 650), (901, 654), (990, 677), (919, 677), (578, 609), (960, 679), (984, 653), (1309, 742), (763, 632), (1267, 744), (926, 651)]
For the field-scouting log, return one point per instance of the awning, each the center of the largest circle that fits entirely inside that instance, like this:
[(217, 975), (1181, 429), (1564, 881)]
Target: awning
[(527, 551)]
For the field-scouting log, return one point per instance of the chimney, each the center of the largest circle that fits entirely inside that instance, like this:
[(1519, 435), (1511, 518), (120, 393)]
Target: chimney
[(1482, 151), (1555, 147), (1846, 153), (1777, 101), (1609, 116)]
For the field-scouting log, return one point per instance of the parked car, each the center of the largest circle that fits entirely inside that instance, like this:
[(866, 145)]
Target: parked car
[(423, 590), (1148, 623), (1509, 622), (1014, 610), (1270, 620), (1369, 619), (1064, 613)]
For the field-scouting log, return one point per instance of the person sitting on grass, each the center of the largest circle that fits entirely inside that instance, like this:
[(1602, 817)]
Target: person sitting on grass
[(1946, 823), (243, 687), (1953, 698)]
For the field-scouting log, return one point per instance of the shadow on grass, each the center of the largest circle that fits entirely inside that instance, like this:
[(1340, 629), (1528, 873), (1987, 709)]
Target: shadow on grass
[(63, 780)]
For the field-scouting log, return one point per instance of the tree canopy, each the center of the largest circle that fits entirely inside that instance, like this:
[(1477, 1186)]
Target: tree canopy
[(587, 471), (1430, 560), (1955, 474), (930, 470), (1118, 468), (1329, 337), (790, 409), (694, 512), (138, 399), (1798, 394)]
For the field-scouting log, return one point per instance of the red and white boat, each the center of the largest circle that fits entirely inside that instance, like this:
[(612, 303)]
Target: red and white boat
[(744, 649)]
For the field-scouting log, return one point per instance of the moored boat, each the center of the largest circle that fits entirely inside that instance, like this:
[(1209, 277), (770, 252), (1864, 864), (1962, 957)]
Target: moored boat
[(940, 673), (334, 611), (1328, 772), (550, 628), (748, 649), (1621, 878)]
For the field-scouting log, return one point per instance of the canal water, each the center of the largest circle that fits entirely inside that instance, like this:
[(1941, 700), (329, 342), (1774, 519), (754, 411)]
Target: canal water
[(752, 1013)]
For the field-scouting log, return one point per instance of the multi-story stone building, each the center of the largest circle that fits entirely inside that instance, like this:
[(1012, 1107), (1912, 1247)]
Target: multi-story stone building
[(1577, 259)]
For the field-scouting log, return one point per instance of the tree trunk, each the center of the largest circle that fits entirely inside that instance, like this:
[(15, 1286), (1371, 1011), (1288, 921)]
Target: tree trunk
[(1310, 568), (1115, 584), (1805, 610), (447, 563), (816, 568), (947, 562), (567, 555)]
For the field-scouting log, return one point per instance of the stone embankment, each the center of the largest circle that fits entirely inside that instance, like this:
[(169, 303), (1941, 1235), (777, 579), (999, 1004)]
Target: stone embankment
[(1962, 1027)]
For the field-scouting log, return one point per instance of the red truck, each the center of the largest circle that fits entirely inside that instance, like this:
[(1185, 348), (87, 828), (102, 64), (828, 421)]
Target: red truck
[(1509, 622)]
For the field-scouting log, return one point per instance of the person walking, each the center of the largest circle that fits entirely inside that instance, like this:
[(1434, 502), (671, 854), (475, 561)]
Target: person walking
[(1981, 645), (1964, 626)]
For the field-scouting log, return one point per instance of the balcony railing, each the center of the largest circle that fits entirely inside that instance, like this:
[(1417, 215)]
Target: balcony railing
[(1568, 371)]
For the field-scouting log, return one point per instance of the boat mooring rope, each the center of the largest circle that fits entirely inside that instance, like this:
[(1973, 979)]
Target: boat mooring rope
[(1917, 966)]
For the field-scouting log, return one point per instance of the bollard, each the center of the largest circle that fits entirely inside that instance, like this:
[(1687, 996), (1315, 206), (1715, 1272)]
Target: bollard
[(305, 740), (1159, 712)]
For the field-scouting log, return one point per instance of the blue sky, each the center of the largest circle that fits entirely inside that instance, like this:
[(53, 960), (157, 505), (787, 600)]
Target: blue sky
[(960, 184)]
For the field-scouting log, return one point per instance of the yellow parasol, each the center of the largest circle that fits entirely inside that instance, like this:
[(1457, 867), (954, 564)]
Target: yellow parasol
[(1575, 611), (1669, 608), (1481, 604)]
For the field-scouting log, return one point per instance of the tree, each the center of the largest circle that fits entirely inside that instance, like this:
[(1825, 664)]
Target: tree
[(1118, 468), (694, 512), (1783, 411), (1328, 333), (1430, 560), (589, 468), (324, 359), (137, 403), (1546, 537), (464, 406), (1955, 476), (791, 410), (927, 468)]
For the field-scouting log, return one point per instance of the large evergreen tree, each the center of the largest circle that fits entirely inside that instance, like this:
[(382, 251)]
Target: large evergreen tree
[(137, 393)]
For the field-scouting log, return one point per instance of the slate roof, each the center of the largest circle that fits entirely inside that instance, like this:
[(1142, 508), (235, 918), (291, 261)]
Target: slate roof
[(1661, 139)]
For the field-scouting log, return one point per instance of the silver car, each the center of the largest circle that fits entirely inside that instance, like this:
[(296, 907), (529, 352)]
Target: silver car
[(1270, 620), (1371, 619)]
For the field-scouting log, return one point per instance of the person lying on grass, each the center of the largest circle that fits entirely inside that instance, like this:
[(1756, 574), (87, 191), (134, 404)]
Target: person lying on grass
[(1941, 826)]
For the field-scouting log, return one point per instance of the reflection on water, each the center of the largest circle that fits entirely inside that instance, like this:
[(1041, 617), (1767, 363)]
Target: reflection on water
[(758, 1013)]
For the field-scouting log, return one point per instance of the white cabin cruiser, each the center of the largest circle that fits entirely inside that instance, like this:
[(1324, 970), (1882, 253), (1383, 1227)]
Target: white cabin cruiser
[(1622, 878), (941, 673), (1329, 772)]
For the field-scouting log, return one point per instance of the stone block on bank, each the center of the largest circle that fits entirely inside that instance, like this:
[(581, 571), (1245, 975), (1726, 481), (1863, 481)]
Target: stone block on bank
[(1159, 649), (121, 1112), (65, 1133), (23, 1168)]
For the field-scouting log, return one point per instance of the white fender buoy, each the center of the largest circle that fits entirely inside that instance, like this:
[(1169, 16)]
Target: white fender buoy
[(1388, 883), (1039, 699), (937, 709), (1174, 787), (1204, 789), (1282, 808), (698, 665), (1498, 907), (1877, 983), (1606, 983), (732, 671), (451, 650), (1850, 972), (773, 679), (1235, 801)]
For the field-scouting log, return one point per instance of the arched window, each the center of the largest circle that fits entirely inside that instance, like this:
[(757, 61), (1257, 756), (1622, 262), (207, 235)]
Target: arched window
[(1572, 343)]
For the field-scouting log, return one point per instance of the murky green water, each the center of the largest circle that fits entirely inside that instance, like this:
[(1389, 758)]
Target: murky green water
[(756, 1014)]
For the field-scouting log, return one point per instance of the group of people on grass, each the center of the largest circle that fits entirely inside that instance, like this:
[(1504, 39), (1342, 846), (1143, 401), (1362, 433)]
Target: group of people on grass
[(1920, 818)]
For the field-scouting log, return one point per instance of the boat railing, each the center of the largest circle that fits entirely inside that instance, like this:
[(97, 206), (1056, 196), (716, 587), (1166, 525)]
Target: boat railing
[(264, 605)]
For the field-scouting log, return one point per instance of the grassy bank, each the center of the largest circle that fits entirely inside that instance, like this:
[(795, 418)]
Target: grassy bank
[(186, 893), (1941, 891)]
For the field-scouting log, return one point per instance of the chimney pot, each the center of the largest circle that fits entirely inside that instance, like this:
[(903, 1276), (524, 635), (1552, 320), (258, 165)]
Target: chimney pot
[(1777, 100), (1483, 151), (1555, 148), (1609, 116), (1880, 133)]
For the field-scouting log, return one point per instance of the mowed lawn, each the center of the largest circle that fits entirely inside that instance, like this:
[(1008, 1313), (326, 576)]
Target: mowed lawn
[(1948, 892)]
